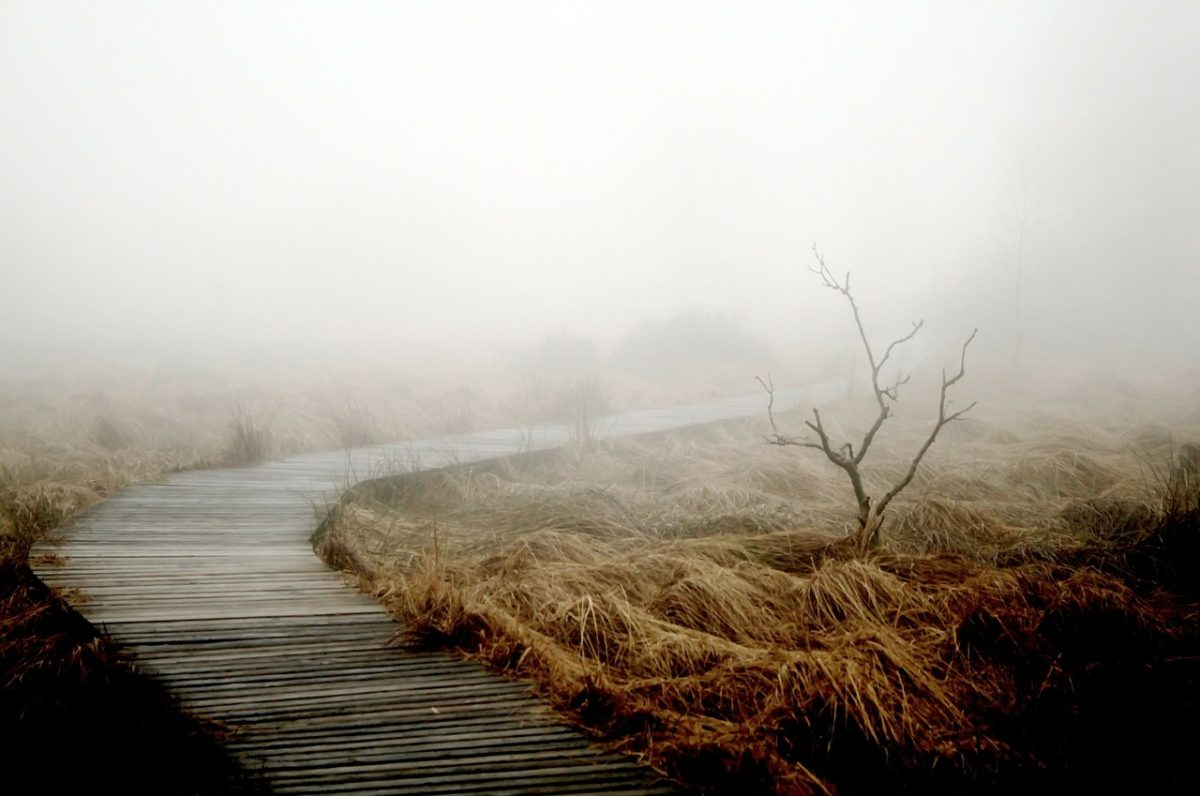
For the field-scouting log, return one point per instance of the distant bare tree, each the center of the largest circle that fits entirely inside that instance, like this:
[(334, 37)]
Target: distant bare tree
[(844, 455), (1017, 230)]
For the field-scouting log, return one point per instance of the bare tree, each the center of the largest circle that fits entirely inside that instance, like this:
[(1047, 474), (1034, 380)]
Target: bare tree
[(844, 455), (1017, 228)]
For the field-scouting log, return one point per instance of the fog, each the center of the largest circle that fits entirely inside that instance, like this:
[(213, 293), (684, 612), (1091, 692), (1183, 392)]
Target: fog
[(183, 178)]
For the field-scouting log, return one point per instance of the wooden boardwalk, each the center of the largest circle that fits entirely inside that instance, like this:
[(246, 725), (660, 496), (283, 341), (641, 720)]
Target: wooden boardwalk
[(208, 578)]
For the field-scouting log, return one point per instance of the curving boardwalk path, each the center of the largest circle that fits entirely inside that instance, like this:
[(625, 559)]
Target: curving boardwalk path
[(209, 579)]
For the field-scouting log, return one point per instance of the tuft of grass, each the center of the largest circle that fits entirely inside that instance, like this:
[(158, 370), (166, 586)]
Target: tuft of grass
[(1108, 518), (32, 509), (249, 439), (355, 425)]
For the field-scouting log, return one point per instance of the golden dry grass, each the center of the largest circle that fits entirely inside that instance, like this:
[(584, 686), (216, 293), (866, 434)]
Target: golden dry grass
[(691, 599)]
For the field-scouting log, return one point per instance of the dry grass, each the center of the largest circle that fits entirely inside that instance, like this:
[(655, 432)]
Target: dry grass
[(691, 600)]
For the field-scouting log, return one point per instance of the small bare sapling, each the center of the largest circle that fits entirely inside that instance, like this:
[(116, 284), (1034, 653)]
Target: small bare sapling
[(845, 455)]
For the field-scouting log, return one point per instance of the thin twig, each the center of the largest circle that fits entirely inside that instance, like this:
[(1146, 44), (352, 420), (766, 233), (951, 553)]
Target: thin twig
[(942, 420)]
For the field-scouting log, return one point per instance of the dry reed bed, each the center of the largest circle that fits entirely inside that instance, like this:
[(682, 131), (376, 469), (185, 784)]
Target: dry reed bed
[(691, 600)]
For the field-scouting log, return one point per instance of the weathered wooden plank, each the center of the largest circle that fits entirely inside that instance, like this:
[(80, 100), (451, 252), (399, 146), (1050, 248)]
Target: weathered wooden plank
[(434, 735), (487, 778), (253, 700), (575, 788), (439, 760), (463, 714), (286, 718), (294, 683)]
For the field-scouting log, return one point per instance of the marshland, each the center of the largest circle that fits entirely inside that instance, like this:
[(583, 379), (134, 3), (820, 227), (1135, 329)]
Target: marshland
[(1027, 618), (969, 562)]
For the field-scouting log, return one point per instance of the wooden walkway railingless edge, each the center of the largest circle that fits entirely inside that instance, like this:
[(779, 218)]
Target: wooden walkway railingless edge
[(209, 579)]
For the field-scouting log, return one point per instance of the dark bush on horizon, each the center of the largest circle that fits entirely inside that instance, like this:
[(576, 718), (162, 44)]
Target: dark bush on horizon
[(691, 338), (561, 352)]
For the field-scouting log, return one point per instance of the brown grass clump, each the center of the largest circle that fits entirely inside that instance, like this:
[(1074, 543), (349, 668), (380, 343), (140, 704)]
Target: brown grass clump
[(673, 600), (1109, 518), (1064, 472), (30, 509), (249, 438), (948, 526)]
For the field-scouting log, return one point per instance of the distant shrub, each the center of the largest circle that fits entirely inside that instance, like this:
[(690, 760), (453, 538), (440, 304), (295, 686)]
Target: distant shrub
[(558, 353), (690, 340), (556, 381)]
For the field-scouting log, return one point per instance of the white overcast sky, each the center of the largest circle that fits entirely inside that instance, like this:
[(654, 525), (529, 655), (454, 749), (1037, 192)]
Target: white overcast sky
[(218, 173)]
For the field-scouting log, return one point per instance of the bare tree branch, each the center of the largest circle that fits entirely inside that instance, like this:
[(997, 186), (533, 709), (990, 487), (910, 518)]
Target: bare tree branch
[(776, 438), (769, 386), (942, 421), (870, 516), (883, 395)]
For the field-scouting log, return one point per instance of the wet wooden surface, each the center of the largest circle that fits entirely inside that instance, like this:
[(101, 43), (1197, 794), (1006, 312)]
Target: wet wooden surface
[(208, 578)]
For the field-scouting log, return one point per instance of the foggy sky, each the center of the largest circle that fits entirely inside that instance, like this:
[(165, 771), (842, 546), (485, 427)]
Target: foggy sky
[(423, 174)]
